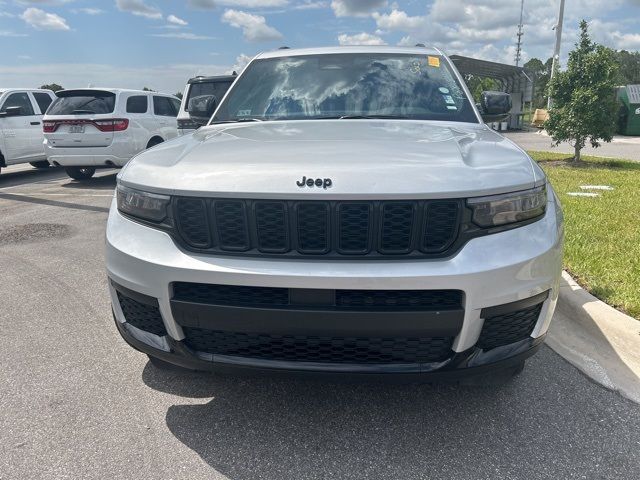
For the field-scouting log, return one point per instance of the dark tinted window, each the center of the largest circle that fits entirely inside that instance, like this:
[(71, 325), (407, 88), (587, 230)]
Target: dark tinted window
[(83, 102), (137, 104), (18, 100), (217, 89), (176, 104), (43, 99), (389, 85), (162, 106)]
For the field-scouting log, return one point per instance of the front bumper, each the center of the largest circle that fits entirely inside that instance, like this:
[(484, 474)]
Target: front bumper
[(494, 270)]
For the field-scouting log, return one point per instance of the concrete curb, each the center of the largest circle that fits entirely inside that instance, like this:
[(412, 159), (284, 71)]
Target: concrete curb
[(597, 339)]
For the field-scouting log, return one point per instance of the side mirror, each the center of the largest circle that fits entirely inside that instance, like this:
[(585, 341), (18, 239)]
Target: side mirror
[(495, 106), (201, 108), (12, 112)]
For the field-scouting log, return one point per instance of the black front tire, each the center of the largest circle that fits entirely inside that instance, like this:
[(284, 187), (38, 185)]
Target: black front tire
[(41, 164), (80, 173)]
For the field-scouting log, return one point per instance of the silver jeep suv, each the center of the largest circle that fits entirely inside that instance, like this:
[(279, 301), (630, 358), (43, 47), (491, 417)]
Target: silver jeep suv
[(346, 210)]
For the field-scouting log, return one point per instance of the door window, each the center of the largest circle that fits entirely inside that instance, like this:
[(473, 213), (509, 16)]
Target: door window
[(21, 100), (43, 99), (137, 104), (162, 106)]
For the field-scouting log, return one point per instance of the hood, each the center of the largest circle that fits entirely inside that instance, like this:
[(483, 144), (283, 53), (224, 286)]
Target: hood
[(364, 159)]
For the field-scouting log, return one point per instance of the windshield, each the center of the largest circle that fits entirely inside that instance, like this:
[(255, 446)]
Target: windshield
[(83, 102), (347, 85)]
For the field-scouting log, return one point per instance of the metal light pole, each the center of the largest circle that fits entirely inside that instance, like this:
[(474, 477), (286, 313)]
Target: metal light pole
[(556, 50)]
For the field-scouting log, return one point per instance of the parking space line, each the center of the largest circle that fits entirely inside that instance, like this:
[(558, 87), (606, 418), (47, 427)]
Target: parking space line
[(52, 203), (61, 194)]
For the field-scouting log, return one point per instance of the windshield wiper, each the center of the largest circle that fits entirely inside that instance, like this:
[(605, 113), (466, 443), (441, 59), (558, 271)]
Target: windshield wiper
[(366, 117), (79, 111)]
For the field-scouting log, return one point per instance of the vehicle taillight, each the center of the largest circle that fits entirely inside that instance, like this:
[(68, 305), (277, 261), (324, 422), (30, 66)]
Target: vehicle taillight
[(49, 127), (112, 125)]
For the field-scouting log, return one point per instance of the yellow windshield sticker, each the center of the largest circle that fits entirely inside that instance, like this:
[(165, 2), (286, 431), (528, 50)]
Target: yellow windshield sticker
[(433, 61)]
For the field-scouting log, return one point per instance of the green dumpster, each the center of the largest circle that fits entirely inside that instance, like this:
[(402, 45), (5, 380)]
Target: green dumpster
[(629, 113)]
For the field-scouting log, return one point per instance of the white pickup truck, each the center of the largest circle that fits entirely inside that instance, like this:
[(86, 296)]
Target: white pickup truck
[(21, 137)]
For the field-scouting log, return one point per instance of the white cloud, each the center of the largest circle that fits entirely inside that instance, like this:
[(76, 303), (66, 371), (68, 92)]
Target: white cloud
[(311, 5), (356, 8), (241, 61), (202, 4), (7, 33), (211, 4), (360, 39), (253, 3), (177, 20), (182, 36), (138, 7), (24, 57), (41, 20), (88, 11), (43, 2), (254, 27)]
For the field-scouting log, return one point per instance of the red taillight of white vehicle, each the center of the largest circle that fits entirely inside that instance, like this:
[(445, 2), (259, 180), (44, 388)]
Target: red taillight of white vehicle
[(106, 125), (112, 125), (49, 126)]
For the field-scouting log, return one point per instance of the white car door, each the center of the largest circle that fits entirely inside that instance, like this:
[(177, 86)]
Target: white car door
[(166, 114), (23, 131)]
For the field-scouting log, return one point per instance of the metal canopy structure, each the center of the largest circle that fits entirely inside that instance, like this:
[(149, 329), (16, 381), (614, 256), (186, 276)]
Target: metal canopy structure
[(515, 81)]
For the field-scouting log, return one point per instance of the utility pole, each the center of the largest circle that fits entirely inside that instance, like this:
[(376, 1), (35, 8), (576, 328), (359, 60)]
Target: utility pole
[(556, 50), (520, 33)]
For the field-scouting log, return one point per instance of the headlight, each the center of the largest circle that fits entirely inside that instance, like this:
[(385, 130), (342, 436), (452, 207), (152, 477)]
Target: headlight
[(514, 207), (147, 206)]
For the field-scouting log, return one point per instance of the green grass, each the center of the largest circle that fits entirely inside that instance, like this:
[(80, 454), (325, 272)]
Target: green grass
[(602, 245)]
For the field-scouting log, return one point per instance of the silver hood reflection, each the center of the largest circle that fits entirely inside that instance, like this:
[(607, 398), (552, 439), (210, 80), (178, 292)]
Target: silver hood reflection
[(365, 159)]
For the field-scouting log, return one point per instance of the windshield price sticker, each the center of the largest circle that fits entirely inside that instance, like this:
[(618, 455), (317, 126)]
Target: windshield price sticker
[(433, 61)]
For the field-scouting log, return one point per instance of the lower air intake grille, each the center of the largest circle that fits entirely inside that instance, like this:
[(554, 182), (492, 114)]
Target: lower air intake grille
[(318, 349), (142, 316), (246, 296), (509, 327)]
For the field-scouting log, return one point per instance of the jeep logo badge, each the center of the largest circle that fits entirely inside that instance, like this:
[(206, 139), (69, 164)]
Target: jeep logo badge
[(315, 182)]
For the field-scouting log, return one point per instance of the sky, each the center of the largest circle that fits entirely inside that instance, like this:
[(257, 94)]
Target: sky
[(160, 44)]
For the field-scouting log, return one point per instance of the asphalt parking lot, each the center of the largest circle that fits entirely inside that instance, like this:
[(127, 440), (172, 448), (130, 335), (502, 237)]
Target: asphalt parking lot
[(76, 402)]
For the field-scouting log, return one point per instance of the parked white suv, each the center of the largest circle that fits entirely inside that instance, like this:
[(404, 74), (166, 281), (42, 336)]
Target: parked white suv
[(346, 210), (21, 111), (93, 128)]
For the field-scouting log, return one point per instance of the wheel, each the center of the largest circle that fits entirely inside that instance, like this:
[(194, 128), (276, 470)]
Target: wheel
[(154, 141), (40, 164), (80, 173), (166, 366)]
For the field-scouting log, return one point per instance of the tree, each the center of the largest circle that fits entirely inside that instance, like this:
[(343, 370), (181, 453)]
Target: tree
[(477, 85), (54, 87), (541, 73), (629, 67), (584, 104), (147, 89), (179, 95)]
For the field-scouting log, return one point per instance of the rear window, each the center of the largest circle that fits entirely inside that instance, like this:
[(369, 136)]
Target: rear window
[(83, 102), (217, 89), (137, 104)]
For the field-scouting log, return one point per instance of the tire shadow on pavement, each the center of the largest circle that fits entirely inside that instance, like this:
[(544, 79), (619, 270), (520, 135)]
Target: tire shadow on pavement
[(550, 422)]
